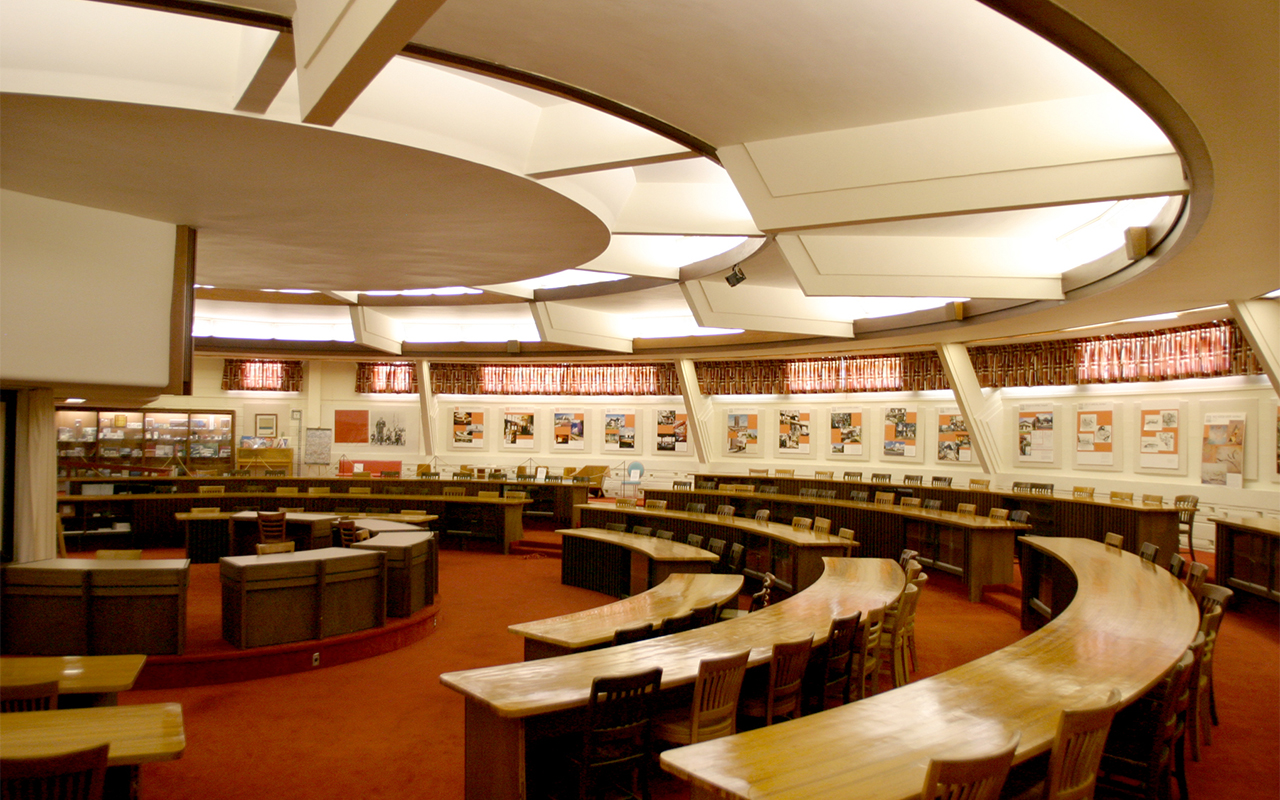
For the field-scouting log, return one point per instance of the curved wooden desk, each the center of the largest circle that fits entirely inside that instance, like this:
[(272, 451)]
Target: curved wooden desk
[(513, 708), (1129, 622), (678, 594), (622, 564), (795, 557)]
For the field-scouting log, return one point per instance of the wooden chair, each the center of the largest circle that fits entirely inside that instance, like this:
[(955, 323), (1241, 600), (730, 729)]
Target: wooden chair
[(1042, 488), (850, 544), (1187, 505), (784, 473), (1149, 552), (1196, 575), (634, 633), (369, 490), (851, 475), (940, 480), (74, 775), (885, 498), (1204, 709), (1021, 515), (616, 527), (696, 508), (860, 496), (489, 495), (448, 491), (286, 490), (349, 534), (911, 502), (833, 677), (119, 555), (642, 530), (866, 649), (970, 778), (979, 484), (783, 694), (681, 486), (801, 523), (271, 526), (933, 504), (880, 477), (1177, 566), (317, 490), (998, 513), (822, 525), (661, 534), (268, 548), (676, 624), (1113, 540), (725, 510), (619, 735), (1153, 499), (705, 615), (754, 471), (211, 490), (1211, 596), (737, 555), (1072, 770), (893, 638), (762, 515), (966, 508), (513, 494), (694, 540), (909, 632), (1022, 486), (275, 473), (824, 474), (913, 480), (718, 546), (656, 505), (1082, 492), (29, 697), (713, 712), (905, 558), (1141, 747), (625, 502), (1122, 497)]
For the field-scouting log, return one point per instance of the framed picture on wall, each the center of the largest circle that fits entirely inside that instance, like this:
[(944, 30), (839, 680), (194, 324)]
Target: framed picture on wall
[(264, 426)]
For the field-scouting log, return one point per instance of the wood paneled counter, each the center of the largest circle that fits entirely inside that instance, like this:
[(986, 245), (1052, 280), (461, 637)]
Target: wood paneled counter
[(512, 710), (413, 568), (85, 606), (1247, 552), (291, 597), (678, 594), (622, 564), (1128, 623)]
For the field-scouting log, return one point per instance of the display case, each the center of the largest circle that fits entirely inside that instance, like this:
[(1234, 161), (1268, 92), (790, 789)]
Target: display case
[(142, 443)]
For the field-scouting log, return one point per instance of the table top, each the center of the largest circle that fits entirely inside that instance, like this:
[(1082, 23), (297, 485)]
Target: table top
[(320, 554), (678, 594), (410, 517), (105, 564), (1260, 524), (397, 538), (383, 525), (651, 546), (74, 674), (138, 734), (290, 516), (1129, 622), (772, 530), (553, 684)]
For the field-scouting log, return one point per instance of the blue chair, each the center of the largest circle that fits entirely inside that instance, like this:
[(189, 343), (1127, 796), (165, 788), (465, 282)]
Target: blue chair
[(635, 471)]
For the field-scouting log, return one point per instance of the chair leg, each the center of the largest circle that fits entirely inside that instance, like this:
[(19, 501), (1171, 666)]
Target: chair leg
[(911, 651), (1213, 702), (1191, 545), (1180, 765), (1193, 725)]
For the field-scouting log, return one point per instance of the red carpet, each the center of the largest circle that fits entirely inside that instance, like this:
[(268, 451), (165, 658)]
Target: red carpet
[(384, 727)]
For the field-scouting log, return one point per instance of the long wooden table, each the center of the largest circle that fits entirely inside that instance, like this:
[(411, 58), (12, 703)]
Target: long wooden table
[(86, 606), (138, 734), (679, 594), (1247, 553), (1057, 514), (82, 680), (1127, 624), (514, 710), (622, 564), (795, 557), (977, 548)]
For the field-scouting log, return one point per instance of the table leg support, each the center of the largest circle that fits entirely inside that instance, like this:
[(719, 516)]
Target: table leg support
[(495, 755)]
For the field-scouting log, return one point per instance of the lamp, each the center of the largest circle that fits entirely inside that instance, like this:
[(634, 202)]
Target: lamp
[(735, 276)]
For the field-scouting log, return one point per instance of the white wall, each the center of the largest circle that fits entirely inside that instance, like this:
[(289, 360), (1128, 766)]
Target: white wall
[(85, 294)]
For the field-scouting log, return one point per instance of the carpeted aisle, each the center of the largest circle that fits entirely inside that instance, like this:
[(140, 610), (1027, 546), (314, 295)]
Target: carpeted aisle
[(385, 727)]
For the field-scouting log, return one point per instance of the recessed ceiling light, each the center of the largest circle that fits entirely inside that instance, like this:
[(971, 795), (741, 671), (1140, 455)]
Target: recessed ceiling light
[(74, 400), (441, 291)]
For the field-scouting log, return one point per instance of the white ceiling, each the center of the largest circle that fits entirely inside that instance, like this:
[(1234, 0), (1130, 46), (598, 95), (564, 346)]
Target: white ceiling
[(425, 182)]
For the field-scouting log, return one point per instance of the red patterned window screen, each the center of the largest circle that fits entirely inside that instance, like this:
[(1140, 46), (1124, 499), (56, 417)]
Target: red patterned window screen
[(383, 377), (1200, 351), (553, 379), (822, 375), (259, 375)]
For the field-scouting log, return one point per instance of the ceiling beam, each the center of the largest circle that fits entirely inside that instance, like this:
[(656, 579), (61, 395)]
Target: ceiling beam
[(342, 45), (565, 324), (269, 76), (376, 330), (758, 308), (919, 266)]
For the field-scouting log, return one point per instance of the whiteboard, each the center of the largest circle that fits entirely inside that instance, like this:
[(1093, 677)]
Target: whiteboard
[(318, 446)]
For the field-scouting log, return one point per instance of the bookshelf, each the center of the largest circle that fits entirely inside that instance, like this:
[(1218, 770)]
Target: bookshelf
[(143, 443)]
